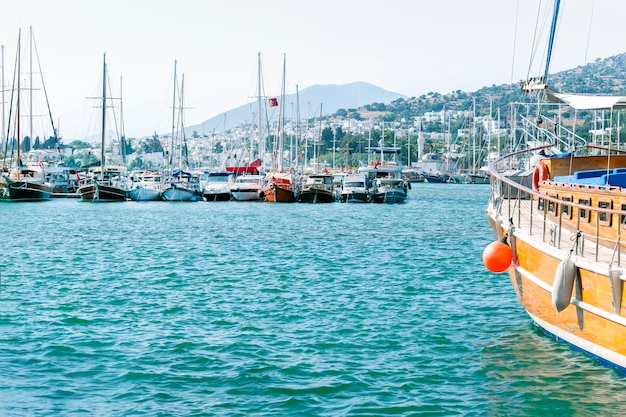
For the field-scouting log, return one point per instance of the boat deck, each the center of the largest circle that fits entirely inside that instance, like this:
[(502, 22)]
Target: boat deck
[(561, 234)]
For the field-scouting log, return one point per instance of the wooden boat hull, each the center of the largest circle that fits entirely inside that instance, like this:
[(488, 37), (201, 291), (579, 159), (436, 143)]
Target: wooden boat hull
[(315, 195), (546, 227), (101, 193), (28, 191), (276, 193), (588, 323)]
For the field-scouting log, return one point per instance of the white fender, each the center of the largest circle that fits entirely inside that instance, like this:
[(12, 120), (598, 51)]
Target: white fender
[(563, 284)]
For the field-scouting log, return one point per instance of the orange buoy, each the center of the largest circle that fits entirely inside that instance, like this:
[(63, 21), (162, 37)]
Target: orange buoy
[(497, 256)]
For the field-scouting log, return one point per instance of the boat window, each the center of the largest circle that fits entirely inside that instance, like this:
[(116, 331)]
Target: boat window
[(623, 218), (541, 204), (584, 213), (605, 218), (552, 206), (566, 211)]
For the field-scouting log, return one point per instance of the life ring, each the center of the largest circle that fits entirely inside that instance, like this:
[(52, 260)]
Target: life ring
[(539, 174)]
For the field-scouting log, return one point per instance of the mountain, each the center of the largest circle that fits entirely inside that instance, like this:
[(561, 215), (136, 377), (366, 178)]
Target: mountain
[(331, 97)]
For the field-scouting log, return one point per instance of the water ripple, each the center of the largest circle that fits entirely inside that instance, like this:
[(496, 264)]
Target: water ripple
[(242, 309)]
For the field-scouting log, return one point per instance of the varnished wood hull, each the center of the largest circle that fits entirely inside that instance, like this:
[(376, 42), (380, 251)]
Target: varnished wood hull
[(544, 229), (314, 195), (100, 193), (276, 193), (600, 335), (28, 191)]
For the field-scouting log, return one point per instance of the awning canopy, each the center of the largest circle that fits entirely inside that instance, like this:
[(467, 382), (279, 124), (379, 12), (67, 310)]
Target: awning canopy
[(588, 101)]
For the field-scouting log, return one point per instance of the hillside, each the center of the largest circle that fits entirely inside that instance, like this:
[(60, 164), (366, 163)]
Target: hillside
[(604, 76)]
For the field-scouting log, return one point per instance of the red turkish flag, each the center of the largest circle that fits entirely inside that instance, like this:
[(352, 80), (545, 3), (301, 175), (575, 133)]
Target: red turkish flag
[(273, 102)]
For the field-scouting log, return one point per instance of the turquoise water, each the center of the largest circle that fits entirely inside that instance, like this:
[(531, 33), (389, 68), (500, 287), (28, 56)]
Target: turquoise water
[(259, 309)]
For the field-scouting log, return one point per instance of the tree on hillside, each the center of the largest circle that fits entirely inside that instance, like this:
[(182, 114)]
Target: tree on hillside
[(151, 144), (79, 144)]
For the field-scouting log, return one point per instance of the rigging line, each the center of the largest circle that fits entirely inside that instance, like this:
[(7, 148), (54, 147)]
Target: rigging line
[(45, 91), (593, 3), (514, 41), (534, 44)]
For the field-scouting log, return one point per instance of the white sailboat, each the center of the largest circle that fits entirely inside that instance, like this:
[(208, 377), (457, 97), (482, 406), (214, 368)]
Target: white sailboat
[(180, 185)]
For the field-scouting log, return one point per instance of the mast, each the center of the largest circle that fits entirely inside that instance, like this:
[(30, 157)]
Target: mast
[(319, 143), (19, 156), (281, 109), (30, 77), (551, 40), (104, 113), (171, 161), (474, 134), (382, 143), (4, 138), (297, 147), (123, 136), (408, 141), (183, 141), (261, 141)]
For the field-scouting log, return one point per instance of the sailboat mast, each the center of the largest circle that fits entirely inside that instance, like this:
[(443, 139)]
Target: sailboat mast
[(183, 142), (319, 142), (281, 110), (298, 140), (474, 134), (19, 156), (171, 161), (123, 136), (104, 113), (30, 77), (261, 141), (382, 143), (4, 138)]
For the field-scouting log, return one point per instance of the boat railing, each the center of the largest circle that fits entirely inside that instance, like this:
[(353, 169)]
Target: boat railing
[(552, 220), (560, 136)]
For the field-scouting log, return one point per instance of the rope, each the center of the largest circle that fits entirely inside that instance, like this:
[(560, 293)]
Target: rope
[(575, 238), (589, 33), (514, 41)]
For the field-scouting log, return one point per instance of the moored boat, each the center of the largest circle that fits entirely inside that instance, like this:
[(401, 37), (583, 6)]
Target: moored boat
[(215, 186), (25, 184), (108, 183), (181, 186), (318, 188), (248, 188), (281, 188), (146, 186), (385, 178), (355, 188), (562, 218)]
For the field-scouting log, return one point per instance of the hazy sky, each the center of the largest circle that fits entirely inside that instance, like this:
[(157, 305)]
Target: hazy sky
[(409, 47)]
